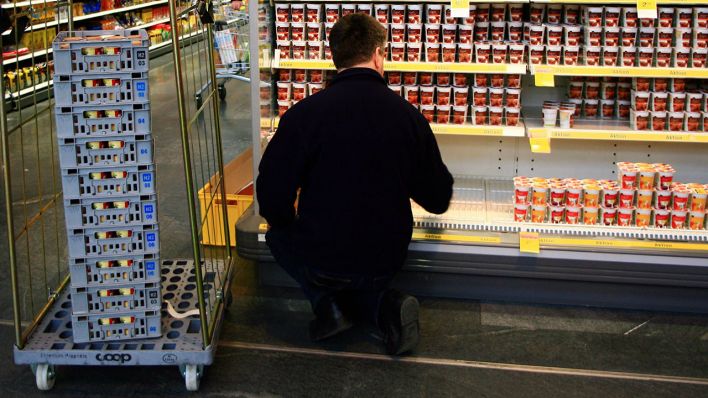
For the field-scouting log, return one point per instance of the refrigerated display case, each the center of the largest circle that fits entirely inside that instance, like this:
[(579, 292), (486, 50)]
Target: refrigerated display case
[(561, 92)]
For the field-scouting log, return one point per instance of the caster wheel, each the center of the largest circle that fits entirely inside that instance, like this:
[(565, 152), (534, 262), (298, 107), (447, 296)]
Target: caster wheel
[(222, 92), (192, 376), (44, 376)]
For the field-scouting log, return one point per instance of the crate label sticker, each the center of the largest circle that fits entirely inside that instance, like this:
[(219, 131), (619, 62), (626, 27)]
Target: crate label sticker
[(140, 86), (151, 240), (141, 120), (153, 329), (149, 210), (147, 180), (150, 267), (141, 54), (144, 151), (529, 242)]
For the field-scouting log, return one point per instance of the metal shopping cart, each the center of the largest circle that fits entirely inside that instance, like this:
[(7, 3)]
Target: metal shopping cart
[(231, 49), (194, 291)]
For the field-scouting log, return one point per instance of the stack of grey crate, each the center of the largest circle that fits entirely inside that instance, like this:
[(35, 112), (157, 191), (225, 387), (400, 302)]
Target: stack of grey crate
[(108, 176)]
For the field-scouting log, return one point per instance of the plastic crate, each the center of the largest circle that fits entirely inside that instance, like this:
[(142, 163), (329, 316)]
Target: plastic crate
[(101, 51), (108, 182), (122, 88), (88, 272), (238, 177), (116, 212), (106, 152), (115, 299), (131, 325), (110, 242), (105, 120)]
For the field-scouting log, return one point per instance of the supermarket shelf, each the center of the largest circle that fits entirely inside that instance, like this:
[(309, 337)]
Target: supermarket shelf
[(446, 129), (36, 54), (658, 2), (469, 129), (427, 1), (45, 25), (561, 70), (486, 205), (26, 3), (149, 24), (409, 66), (607, 130), (28, 90), (40, 53)]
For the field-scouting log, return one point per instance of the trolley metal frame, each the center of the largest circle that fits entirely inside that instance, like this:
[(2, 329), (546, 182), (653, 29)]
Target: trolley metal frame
[(39, 274)]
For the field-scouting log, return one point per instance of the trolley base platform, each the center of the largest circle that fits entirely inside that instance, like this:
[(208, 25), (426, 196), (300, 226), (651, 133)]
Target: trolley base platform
[(180, 344)]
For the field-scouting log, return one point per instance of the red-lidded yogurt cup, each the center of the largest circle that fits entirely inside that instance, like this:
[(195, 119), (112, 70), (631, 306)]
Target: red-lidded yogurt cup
[(496, 115), (625, 217), (608, 216), (572, 215), (521, 212), (663, 200), (678, 219), (459, 114), (680, 199)]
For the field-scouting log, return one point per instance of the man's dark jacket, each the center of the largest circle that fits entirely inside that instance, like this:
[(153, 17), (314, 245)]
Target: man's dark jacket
[(358, 152)]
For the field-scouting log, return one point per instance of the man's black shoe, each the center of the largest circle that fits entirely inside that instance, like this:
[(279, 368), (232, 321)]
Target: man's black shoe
[(329, 322), (399, 322)]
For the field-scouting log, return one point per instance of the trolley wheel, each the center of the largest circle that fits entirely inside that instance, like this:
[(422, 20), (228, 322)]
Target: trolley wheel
[(44, 376), (192, 376), (222, 92), (198, 99)]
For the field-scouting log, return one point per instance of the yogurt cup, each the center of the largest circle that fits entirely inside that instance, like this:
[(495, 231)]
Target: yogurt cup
[(464, 53), (590, 215), (481, 31), (442, 79), (313, 12), (459, 114), (398, 13), (553, 55), (449, 51), (427, 95), (608, 216), (664, 37), (538, 213), (556, 214), (415, 13), (297, 12), (628, 178), (515, 31), (465, 34), (537, 13), (460, 95), (612, 37), (571, 14), (659, 101), (432, 52), (626, 198), (698, 200), (665, 17), (434, 13), (496, 115), (483, 52), (411, 94), (537, 54), (413, 51), (644, 199), (428, 112), (642, 218), (460, 80), (591, 196), (516, 53), (410, 78), (630, 17), (432, 33), (497, 31), (521, 212), (512, 116), (663, 200), (591, 108), (381, 13), (699, 56), (692, 121), (414, 32), (425, 78), (593, 37), (572, 35), (499, 53), (696, 220), (628, 37), (610, 56), (443, 95), (398, 52), (612, 16), (592, 56), (572, 215), (624, 217), (680, 199), (480, 115), (678, 219), (497, 12), (442, 114), (554, 35)]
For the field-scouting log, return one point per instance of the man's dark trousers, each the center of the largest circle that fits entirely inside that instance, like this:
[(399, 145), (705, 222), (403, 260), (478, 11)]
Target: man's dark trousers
[(358, 295)]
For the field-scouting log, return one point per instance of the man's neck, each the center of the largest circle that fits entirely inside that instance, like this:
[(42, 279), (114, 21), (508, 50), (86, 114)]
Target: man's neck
[(369, 65)]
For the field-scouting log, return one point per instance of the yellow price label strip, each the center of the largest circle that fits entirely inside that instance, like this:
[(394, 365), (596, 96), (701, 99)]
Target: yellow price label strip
[(646, 9), (457, 238), (460, 8), (624, 244), (529, 242)]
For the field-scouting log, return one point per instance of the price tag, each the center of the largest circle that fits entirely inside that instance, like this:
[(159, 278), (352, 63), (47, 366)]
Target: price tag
[(460, 8), (544, 79), (529, 242), (276, 59), (263, 227), (646, 9), (540, 145)]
